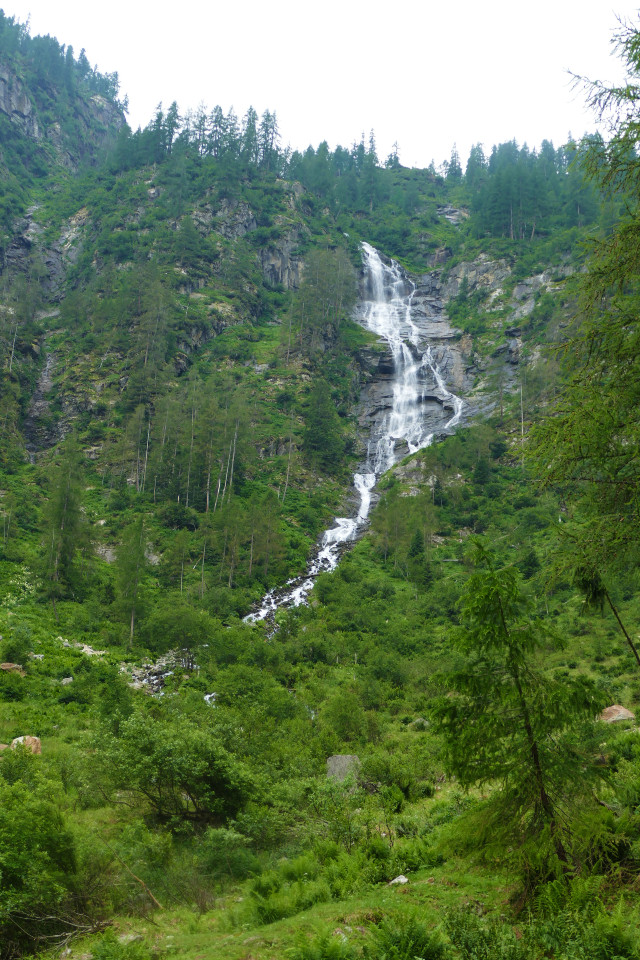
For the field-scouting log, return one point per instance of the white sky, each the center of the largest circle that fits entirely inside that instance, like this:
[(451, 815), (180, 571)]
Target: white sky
[(427, 73)]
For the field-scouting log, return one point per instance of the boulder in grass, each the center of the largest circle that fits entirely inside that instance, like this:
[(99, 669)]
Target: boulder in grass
[(12, 668), (615, 713), (341, 765), (29, 743)]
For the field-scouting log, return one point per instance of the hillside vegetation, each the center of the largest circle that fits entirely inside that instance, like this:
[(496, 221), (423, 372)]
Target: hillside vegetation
[(181, 370)]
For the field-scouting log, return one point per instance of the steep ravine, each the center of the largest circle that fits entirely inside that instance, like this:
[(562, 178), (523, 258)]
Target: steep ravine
[(407, 405)]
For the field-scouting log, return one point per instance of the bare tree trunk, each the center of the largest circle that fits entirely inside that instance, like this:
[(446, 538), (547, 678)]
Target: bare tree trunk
[(622, 626), (233, 459), (286, 482), (193, 416), (218, 489), (146, 457), (226, 476), (204, 551), (13, 345)]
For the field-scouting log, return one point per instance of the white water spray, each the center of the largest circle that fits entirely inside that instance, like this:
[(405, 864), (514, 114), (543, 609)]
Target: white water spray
[(404, 428)]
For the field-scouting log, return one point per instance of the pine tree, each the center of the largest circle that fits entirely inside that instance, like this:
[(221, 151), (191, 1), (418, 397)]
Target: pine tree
[(589, 447), (506, 721), (63, 525), (131, 571), (323, 443)]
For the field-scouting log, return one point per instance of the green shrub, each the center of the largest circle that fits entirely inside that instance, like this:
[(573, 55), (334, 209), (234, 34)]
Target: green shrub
[(223, 852), (326, 947), (109, 947), (406, 939), (480, 939), (37, 868), (181, 773)]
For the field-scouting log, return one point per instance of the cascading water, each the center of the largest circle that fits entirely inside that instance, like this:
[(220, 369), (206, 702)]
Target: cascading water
[(402, 427)]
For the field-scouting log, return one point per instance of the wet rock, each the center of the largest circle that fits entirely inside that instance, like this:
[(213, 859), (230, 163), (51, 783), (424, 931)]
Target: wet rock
[(453, 214), (39, 431), (386, 366)]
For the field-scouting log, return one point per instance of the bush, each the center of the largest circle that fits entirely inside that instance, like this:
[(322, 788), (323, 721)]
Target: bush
[(479, 939), (326, 947), (109, 947), (225, 853), (185, 775), (407, 939), (37, 868)]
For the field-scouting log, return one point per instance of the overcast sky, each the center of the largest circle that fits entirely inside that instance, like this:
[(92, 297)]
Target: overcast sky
[(423, 74)]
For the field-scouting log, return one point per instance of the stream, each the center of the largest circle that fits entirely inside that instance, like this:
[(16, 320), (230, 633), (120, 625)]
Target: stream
[(411, 404)]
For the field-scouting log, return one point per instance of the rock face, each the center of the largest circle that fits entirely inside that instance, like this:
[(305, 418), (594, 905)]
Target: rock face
[(56, 258), (38, 431), (450, 351), (342, 765), (482, 273), (15, 103), (97, 120), (615, 713), (453, 214), (280, 265), (235, 219)]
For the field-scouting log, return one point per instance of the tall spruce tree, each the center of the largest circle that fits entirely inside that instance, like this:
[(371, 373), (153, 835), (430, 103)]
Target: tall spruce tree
[(63, 533), (131, 571), (322, 440), (590, 446), (507, 722)]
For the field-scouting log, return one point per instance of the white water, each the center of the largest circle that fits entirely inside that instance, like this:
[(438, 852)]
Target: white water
[(403, 429)]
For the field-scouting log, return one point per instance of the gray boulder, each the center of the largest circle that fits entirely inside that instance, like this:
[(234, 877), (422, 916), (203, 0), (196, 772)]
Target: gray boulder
[(342, 765)]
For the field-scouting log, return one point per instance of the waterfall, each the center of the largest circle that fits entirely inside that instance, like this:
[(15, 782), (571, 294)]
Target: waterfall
[(402, 425)]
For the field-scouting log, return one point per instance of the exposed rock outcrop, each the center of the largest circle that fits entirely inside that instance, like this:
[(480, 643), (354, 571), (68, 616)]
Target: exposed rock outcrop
[(453, 214), (234, 219), (97, 120), (280, 264), (479, 274), (16, 104)]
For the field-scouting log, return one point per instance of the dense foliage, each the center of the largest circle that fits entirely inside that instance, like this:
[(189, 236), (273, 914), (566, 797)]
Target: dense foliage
[(180, 370)]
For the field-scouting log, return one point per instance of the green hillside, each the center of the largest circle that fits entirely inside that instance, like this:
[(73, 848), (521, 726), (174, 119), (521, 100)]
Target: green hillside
[(181, 417)]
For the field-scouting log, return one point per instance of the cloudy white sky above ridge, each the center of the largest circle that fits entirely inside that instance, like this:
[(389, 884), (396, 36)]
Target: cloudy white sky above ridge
[(423, 74)]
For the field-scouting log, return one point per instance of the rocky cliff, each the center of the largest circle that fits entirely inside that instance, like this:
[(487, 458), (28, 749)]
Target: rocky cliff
[(96, 120)]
